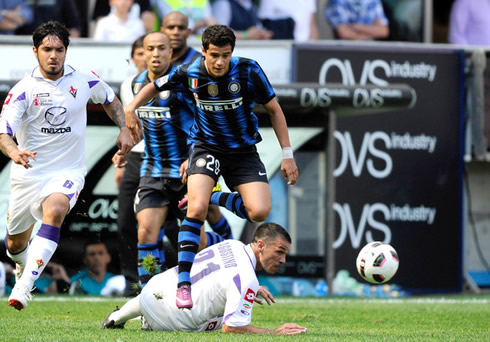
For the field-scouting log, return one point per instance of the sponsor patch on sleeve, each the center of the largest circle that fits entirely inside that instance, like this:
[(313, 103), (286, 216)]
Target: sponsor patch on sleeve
[(249, 296), (161, 81), (7, 99)]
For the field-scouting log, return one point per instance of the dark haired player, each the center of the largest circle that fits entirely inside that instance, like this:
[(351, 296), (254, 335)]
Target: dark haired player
[(46, 111), (225, 287), (224, 135)]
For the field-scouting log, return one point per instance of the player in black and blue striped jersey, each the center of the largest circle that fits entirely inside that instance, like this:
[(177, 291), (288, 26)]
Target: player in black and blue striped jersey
[(166, 121), (224, 135), (176, 26)]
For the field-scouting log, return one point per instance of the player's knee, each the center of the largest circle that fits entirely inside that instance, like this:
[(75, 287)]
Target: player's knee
[(258, 214), (56, 211), (197, 210), (145, 234)]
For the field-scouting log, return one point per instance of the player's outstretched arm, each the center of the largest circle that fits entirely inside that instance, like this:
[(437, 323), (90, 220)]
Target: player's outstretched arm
[(146, 94), (9, 148), (285, 329), (288, 166), (115, 112)]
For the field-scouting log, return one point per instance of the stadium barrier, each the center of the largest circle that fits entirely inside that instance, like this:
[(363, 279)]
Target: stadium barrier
[(386, 182)]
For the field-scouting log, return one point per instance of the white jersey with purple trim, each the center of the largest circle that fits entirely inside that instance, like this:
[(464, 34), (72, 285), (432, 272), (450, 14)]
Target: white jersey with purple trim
[(50, 118), (224, 286)]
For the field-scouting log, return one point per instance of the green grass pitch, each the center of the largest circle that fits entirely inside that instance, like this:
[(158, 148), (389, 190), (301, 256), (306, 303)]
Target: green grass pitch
[(427, 318)]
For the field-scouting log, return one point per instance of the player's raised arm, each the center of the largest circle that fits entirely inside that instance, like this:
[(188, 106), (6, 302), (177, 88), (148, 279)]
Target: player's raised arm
[(288, 167), (146, 94), (115, 112)]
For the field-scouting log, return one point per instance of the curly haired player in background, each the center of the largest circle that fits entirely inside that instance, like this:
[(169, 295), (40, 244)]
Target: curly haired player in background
[(46, 111)]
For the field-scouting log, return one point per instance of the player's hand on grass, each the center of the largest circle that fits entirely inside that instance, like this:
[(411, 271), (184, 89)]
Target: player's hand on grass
[(290, 329), (22, 157), (264, 293), (289, 170)]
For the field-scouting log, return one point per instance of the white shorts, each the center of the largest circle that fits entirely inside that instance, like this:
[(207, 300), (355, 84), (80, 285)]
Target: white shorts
[(26, 197), (157, 304)]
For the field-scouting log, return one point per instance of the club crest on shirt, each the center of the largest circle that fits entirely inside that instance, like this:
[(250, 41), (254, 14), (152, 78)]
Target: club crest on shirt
[(164, 94), (212, 89), (40, 263), (73, 92), (234, 87), (249, 296)]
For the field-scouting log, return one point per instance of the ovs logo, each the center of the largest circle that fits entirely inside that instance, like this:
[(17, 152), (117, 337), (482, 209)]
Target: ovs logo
[(347, 74), (56, 116), (371, 154)]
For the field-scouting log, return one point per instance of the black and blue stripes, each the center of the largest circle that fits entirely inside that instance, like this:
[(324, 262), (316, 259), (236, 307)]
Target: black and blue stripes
[(223, 106), (166, 121)]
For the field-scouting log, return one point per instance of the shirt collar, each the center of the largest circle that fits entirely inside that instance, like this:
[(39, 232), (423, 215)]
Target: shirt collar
[(251, 255), (68, 69)]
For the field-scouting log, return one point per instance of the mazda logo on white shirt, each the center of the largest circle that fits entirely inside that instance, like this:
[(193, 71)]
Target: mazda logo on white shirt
[(56, 116)]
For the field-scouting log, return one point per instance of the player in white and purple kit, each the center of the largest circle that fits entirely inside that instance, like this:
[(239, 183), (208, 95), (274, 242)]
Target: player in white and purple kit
[(46, 112), (224, 288)]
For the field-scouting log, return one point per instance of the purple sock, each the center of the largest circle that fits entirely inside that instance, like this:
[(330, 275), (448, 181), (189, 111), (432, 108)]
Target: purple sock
[(49, 232)]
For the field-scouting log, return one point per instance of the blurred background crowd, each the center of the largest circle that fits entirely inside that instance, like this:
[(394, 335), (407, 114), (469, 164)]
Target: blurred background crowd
[(125, 20)]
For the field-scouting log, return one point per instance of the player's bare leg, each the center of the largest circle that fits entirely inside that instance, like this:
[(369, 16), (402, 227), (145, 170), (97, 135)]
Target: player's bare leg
[(256, 198)]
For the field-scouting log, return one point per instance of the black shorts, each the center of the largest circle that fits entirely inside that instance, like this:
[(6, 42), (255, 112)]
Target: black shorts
[(160, 192), (236, 167)]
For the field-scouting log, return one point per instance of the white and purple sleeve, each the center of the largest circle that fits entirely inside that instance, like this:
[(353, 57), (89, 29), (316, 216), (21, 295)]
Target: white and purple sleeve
[(101, 92), (14, 107), (240, 300)]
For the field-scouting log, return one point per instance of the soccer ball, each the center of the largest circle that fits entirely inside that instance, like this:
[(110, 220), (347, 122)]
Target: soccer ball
[(377, 262)]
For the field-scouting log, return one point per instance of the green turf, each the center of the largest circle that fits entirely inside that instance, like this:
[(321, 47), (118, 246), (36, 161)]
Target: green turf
[(449, 318)]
